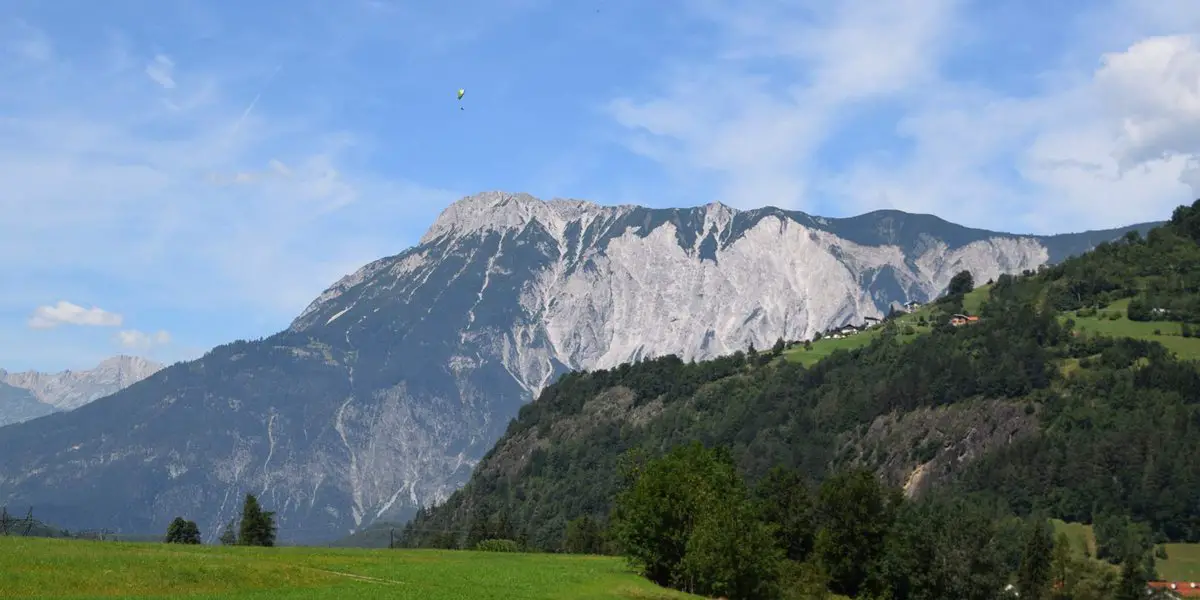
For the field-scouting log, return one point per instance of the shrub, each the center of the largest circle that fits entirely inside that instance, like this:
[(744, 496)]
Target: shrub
[(497, 546)]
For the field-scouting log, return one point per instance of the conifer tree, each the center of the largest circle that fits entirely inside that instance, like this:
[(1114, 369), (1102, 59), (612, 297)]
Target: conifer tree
[(1035, 572), (258, 526)]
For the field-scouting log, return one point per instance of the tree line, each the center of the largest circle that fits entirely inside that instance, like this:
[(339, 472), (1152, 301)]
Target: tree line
[(688, 521), (255, 528)]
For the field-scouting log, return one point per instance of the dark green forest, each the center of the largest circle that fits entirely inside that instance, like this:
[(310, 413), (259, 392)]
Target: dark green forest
[(1020, 413)]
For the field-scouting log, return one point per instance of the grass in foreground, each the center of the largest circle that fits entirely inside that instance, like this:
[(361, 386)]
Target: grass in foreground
[(56, 568)]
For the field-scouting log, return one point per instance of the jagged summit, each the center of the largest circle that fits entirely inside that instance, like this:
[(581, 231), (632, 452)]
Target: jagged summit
[(498, 210), (494, 210)]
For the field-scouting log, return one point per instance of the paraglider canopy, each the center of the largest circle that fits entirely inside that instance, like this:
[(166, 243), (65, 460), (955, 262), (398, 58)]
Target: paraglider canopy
[(460, 93)]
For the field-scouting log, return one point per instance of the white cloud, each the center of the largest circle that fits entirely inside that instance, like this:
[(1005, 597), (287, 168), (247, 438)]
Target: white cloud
[(141, 341), (67, 313), (757, 133), (1153, 90), (160, 71), (1108, 139), (110, 181)]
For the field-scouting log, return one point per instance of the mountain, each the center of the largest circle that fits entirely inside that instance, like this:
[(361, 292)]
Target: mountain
[(31, 394), (1044, 404), (389, 387), (17, 405)]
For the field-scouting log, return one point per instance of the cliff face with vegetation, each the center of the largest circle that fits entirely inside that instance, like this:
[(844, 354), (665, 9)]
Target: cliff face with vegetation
[(1040, 406)]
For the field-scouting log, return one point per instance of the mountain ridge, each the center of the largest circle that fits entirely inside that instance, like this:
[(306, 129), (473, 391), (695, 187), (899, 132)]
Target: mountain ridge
[(384, 393), (1014, 410), (69, 389)]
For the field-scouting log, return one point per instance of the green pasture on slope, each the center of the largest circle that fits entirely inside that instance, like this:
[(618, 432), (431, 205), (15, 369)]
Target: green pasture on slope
[(1081, 536), (1163, 332), (826, 346), (1181, 564), (58, 568)]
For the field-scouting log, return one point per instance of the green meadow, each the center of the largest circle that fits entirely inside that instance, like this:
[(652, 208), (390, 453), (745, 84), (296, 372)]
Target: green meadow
[(1111, 321), (1181, 564), (58, 568)]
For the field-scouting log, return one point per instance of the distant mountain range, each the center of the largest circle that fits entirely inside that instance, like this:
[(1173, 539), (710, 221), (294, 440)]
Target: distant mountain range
[(31, 394), (389, 388)]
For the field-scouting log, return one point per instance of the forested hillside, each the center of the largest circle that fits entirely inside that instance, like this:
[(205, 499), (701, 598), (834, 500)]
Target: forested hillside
[(1024, 408)]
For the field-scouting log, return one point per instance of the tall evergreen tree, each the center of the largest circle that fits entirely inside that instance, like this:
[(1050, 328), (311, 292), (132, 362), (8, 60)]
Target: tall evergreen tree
[(1035, 575), (1060, 564), (1132, 585), (258, 526)]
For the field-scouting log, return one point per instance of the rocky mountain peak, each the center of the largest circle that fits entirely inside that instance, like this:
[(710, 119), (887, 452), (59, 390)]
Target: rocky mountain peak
[(496, 211), (70, 389)]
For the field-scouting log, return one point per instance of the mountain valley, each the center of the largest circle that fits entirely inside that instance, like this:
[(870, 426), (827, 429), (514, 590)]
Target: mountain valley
[(385, 393)]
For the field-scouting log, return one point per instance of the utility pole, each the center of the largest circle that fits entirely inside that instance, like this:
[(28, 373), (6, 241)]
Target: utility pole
[(391, 538), (29, 521)]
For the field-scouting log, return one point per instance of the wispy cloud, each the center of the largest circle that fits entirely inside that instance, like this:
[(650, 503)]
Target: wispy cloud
[(151, 176), (250, 107), (782, 75), (135, 191), (777, 113), (67, 313), (159, 71), (139, 341)]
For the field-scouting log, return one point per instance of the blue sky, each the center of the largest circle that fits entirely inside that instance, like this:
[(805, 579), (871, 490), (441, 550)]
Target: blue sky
[(180, 174)]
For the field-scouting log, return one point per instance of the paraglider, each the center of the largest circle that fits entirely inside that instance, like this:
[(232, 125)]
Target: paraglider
[(460, 95)]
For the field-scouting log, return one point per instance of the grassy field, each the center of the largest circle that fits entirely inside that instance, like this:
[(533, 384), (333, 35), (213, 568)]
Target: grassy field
[(1109, 321), (56, 568), (1182, 562), (1168, 332), (974, 299), (826, 346), (1081, 536)]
